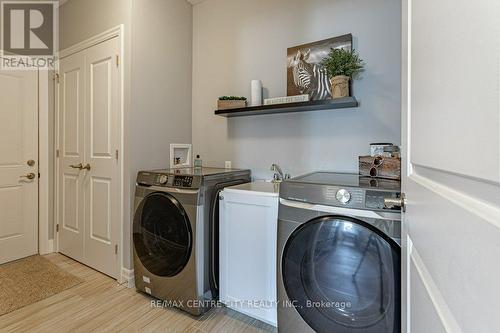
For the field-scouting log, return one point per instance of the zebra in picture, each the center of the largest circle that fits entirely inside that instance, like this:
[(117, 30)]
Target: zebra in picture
[(310, 78)]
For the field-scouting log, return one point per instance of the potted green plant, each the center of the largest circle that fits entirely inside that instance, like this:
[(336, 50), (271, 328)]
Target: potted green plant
[(341, 66), (231, 102)]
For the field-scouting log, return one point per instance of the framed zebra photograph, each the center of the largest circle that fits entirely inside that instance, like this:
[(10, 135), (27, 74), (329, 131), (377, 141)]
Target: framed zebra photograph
[(304, 72)]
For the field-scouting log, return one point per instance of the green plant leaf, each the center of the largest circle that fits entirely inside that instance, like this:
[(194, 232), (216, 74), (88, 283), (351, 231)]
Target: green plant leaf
[(342, 62), (232, 98)]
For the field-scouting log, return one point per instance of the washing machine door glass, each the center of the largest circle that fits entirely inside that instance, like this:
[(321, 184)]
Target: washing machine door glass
[(343, 275), (162, 234)]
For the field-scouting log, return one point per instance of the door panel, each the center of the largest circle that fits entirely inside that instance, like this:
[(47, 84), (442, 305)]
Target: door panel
[(70, 197), (101, 182), (73, 111), (451, 130), (11, 197), (11, 124), (18, 144), (71, 138), (101, 106), (100, 215), (451, 92), (426, 310)]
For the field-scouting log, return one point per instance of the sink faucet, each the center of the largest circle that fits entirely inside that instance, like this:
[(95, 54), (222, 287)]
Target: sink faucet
[(278, 173)]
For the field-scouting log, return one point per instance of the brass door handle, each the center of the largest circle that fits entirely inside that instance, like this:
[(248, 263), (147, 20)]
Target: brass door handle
[(77, 166), (400, 202), (29, 176), (86, 167)]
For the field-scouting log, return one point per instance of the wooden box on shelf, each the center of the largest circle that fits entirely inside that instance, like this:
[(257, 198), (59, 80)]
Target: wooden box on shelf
[(231, 104), (380, 167)]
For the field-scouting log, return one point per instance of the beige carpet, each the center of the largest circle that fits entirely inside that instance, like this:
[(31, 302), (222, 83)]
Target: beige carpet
[(30, 280)]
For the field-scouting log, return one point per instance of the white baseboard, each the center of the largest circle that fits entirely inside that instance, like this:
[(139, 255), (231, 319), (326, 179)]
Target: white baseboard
[(50, 245), (128, 277), (46, 248)]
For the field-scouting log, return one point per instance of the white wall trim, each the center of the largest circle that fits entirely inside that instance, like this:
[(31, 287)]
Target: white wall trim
[(44, 200), (127, 276), (442, 309), (479, 208), (50, 246), (102, 37), (56, 165), (118, 32)]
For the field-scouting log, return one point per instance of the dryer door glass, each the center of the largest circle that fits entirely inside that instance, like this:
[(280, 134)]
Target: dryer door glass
[(343, 275), (162, 235)]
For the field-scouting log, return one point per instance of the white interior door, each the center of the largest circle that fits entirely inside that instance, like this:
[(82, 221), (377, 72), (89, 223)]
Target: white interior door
[(101, 182), (71, 155), (18, 145), (89, 169), (452, 138)]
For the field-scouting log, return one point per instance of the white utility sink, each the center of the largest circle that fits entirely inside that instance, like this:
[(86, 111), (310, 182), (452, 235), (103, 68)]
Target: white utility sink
[(260, 187)]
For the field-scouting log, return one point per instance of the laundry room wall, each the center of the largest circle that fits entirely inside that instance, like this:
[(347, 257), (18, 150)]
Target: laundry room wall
[(82, 19), (161, 81), (235, 41)]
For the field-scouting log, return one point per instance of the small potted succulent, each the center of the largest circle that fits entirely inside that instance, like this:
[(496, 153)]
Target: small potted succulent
[(231, 102), (342, 65)]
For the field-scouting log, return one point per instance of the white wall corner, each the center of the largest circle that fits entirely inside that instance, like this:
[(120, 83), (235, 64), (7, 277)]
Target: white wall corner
[(128, 277)]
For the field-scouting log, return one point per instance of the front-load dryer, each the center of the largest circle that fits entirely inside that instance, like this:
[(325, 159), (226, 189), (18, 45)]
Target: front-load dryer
[(171, 238), (338, 255)]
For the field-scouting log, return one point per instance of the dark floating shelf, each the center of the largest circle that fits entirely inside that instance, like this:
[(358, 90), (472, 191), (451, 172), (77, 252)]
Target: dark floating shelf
[(341, 103)]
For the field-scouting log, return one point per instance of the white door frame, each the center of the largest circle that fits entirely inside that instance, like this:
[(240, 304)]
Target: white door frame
[(45, 244), (116, 32)]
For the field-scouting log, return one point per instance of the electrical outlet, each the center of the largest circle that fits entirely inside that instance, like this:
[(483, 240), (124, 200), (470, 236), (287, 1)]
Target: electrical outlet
[(228, 165)]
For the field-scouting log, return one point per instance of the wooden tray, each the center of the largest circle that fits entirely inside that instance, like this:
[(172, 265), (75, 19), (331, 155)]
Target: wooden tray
[(380, 167)]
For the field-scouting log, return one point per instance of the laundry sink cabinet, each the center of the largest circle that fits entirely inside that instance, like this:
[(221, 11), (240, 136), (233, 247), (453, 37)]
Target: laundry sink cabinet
[(248, 232)]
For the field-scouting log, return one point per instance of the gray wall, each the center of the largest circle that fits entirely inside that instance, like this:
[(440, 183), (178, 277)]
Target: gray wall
[(82, 19), (161, 81), (235, 41)]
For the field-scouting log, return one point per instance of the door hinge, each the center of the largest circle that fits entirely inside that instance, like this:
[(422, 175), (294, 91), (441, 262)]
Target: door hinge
[(57, 227), (57, 153), (116, 154), (56, 77), (117, 60), (116, 248), (39, 175)]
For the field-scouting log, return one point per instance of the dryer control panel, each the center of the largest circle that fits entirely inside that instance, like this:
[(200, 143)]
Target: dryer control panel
[(148, 179), (183, 181), (376, 199)]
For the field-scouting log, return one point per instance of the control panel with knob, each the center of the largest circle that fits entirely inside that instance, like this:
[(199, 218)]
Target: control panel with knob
[(343, 196), (163, 179)]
